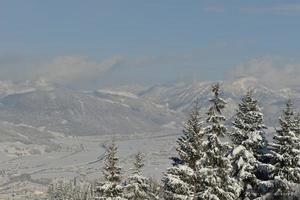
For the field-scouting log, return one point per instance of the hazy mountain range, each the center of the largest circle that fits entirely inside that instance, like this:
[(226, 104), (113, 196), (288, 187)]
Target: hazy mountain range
[(40, 106), (180, 96)]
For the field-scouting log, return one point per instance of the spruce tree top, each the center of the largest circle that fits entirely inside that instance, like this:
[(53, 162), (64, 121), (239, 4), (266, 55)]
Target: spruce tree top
[(215, 117), (285, 148), (189, 144), (249, 124), (249, 116), (112, 172), (194, 122), (287, 120), (138, 164)]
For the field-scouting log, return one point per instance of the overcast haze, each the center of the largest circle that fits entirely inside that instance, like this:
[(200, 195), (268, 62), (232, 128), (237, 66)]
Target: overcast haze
[(88, 44)]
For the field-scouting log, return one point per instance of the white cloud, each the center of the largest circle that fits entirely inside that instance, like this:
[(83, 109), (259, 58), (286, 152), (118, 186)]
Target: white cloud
[(283, 8), (65, 70), (269, 71), (85, 72), (286, 8), (68, 69)]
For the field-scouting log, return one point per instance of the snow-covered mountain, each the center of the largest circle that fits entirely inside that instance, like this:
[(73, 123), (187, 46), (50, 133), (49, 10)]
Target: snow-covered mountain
[(73, 112), (180, 96), (48, 107), (7, 87)]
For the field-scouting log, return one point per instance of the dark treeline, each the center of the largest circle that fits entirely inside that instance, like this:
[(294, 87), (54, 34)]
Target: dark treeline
[(214, 161)]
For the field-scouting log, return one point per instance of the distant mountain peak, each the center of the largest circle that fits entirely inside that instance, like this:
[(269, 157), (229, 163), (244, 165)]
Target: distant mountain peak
[(119, 93), (246, 81), (41, 83)]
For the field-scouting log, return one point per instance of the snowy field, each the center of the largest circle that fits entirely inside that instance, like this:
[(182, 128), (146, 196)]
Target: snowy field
[(28, 169)]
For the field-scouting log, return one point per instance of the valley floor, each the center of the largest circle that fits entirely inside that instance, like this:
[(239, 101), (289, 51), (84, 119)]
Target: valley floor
[(26, 170)]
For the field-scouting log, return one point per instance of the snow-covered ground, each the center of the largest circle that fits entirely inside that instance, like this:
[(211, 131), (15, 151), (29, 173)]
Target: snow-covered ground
[(28, 169)]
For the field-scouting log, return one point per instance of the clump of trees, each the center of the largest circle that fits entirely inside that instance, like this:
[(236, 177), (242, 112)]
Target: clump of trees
[(69, 190), (215, 160), (112, 186), (247, 167)]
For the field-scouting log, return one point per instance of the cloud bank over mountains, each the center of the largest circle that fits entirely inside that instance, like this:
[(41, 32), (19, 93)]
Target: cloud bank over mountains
[(274, 73), (84, 72), (72, 69), (64, 70)]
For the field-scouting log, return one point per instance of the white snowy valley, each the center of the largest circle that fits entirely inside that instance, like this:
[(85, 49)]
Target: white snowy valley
[(237, 140)]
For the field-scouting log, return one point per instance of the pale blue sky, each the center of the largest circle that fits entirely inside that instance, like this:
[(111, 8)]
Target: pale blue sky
[(110, 41)]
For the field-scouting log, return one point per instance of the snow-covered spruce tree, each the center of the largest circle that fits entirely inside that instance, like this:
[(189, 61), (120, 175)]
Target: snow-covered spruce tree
[(296, 126), (180, 181), (285, 154), (178, 184), (249, 125), (156, 187), (111, 188), (137, 186), (249, 144), (214, 166), (189, 145), (60, 190), (64, 190)]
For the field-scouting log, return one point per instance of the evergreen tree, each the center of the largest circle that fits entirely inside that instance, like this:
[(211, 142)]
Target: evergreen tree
[(156, 187), (249, 144), (285, 154), (214, 166), (177, 183), (189, 144), (67, 190), (111, 188), (296, 127), (180, 181), (138, 187), (249, 125), (59, 191)]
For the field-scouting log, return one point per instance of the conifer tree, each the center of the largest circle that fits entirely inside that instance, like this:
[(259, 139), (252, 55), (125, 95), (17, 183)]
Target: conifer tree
[(249, 125), (296, 125), (177, 183), (60, 190), (180, 181), (214, 166), (285, 154), (138, 187), (111, 188), (66, 190), (249, 143), (189, 144)]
